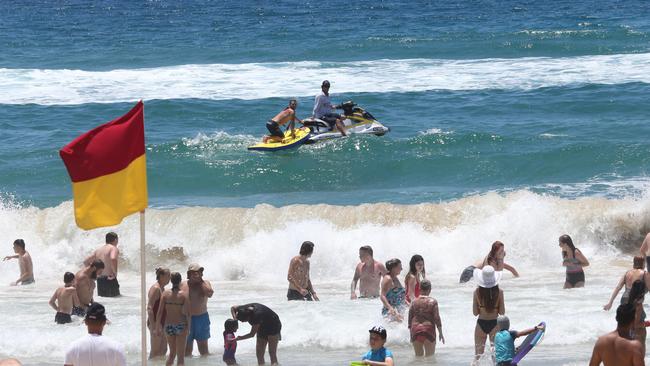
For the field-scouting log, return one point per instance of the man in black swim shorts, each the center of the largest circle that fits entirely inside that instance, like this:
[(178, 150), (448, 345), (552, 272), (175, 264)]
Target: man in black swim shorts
[(288, 115)]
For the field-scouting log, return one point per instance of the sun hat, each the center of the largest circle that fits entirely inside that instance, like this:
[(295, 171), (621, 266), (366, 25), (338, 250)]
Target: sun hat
[(487, 277)]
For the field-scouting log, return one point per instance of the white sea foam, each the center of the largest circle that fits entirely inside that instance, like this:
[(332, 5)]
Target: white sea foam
[(246, 251), (299, 79)]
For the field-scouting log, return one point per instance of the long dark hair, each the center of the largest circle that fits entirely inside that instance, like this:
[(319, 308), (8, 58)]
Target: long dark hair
[(414, 259), (637, 291), (489, 297), (492, 256), (176, 279), (565, 239)]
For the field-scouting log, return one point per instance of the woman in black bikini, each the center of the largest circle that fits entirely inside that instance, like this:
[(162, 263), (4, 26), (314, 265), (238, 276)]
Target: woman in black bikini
[(488, 304), (573, 260)]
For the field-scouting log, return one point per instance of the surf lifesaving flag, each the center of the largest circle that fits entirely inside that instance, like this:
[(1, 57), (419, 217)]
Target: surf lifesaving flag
[(108, 169)]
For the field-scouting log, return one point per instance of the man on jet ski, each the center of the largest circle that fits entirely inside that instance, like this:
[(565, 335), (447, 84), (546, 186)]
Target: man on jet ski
[(323, 108), (287, 115)]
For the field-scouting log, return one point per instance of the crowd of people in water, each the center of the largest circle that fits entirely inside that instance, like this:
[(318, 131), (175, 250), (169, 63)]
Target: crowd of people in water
[(177, 317)]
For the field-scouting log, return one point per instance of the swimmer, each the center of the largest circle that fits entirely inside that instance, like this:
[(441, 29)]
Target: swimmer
[(64, 299), (24, 262)]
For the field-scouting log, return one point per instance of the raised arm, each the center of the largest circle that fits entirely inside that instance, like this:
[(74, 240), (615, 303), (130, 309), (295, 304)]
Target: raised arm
[(233, 311), (10, 257), (89, 259), (618, 288), (206, 287), (511, 269)]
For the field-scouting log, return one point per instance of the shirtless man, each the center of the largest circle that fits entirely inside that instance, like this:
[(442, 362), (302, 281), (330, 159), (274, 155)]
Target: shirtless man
[(300, 287), (368, 273), (107, 285), (64, 299), (85, 285), (25, 263), (423, 320), (287, 115), (199, 290), (618, 348)]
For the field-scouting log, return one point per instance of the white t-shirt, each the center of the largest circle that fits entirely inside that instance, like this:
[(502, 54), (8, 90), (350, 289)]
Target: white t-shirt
[(95, 350)]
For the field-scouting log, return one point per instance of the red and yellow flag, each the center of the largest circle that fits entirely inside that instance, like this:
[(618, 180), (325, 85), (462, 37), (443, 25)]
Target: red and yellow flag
[(108, 169)]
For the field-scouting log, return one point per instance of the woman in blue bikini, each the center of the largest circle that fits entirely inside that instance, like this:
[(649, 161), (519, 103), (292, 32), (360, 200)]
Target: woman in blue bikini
[(393, 294)]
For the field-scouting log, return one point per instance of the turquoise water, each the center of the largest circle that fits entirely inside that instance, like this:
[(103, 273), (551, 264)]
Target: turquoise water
[(479, 96)]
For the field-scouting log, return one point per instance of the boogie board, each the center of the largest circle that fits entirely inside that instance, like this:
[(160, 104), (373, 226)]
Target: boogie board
[(288, 142), (528, 343), (467, 274)]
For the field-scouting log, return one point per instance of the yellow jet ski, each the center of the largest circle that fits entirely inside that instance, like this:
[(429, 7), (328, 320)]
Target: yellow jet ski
[(288, 142)]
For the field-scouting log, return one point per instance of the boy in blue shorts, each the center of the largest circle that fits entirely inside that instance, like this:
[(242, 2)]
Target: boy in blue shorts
[(378, 354), (504, 341)]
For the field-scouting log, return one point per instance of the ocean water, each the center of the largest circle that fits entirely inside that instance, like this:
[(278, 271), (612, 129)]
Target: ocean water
[(513, 120)]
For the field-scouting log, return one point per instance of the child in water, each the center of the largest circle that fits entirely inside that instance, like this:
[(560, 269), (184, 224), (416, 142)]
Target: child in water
[(504, 341), (378, 354), (230, 341)]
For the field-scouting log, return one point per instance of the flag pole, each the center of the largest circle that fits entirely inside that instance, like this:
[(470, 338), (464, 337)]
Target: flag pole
[(143, 296)]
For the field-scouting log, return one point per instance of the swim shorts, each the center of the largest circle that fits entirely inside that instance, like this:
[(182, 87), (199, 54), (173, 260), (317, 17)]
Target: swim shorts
[(296, 295), (274, 129), (200, 329), (62, 318), (107, 288)]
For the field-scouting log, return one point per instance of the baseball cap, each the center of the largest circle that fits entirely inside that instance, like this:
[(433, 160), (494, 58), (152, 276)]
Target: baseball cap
[(378, 329), (96, 311), (195, 267)]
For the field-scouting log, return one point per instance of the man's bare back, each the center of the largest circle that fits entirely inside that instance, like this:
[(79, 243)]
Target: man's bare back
[(612, 349), (298, 273), (108, 254), (64, 299), (285, 116), (85, 287)]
